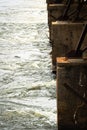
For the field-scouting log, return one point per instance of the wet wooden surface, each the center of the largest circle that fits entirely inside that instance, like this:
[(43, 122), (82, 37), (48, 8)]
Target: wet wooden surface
[(72, 111), (65, 37)]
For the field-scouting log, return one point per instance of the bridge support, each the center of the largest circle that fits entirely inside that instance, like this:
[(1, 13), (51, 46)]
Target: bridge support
[(72, 93)]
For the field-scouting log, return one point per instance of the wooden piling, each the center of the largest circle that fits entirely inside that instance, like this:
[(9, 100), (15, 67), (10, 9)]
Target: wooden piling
[(65, 37), (71, 93)]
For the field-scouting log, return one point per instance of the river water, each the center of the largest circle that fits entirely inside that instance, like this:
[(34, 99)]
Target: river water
[(27, 87)]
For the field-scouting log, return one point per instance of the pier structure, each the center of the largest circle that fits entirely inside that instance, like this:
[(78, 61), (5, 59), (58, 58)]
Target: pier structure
[(67, 22), (72, 93)]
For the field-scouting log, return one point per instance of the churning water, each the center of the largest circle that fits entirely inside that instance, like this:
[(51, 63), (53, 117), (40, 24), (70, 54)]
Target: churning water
[(27, 87)]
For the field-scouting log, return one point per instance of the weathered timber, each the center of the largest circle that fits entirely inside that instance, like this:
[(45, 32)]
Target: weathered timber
[(55, 13), (72, 93), (65, 37)]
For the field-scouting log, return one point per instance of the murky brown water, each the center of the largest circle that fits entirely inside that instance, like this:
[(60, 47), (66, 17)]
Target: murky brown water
[(27, 87)]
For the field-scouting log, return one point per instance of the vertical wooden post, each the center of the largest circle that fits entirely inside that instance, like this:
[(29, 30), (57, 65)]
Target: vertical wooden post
[(71, 93)]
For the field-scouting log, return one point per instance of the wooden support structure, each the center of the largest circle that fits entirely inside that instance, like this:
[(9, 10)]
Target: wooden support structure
[(55, 11), (65, 36), (65, 29), (72, 93)]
